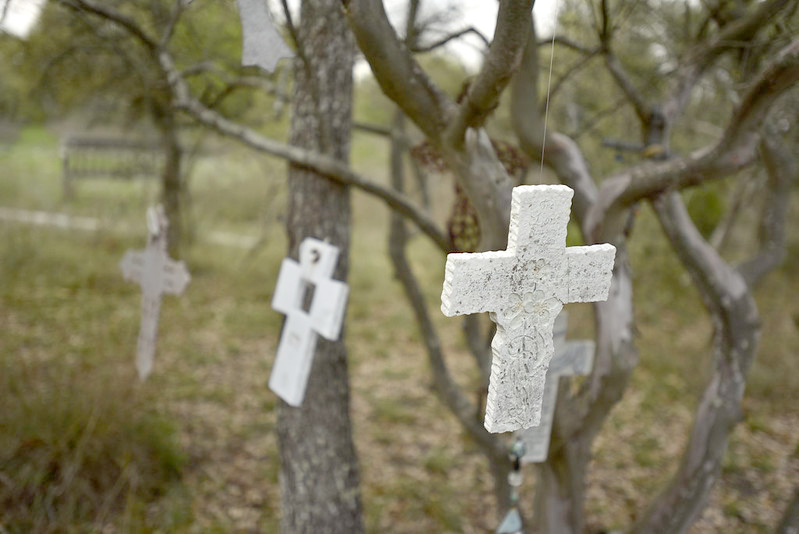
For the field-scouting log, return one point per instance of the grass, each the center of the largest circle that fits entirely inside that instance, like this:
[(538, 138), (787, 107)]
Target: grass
[(84, 447)]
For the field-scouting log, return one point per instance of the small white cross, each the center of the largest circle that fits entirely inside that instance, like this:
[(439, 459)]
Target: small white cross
[(524, 288), (571, 359), (157, 274), (324, 315), (262, 43)]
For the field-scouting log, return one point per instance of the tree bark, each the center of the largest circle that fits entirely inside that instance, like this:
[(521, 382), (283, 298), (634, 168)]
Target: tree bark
[(171, 182), (319, 477)]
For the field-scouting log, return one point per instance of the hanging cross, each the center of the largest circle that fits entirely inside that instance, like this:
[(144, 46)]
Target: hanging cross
[(263, 46), (524, 289), (313, 304), (570, 359), (157, 274)]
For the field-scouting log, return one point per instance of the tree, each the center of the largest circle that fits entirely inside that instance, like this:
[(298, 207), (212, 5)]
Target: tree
[(319, 470), (717, 40), (87, 58)]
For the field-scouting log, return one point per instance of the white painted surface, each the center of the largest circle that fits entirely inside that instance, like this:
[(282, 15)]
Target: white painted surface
[(524, 288), (324, 317)]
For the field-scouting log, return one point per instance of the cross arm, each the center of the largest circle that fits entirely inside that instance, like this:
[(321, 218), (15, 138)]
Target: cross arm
[(589, 272), (176, 277), (475, 283), (132, 265), (285, 298)]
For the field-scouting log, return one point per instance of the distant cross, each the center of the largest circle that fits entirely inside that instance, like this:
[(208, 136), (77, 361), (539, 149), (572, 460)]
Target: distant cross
[(571, 359), (157, 274), (263, 45), (313, 304), (524, 289)]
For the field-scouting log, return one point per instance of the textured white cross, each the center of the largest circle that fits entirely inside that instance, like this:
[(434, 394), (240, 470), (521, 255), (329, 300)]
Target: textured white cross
[(524, 288), (313, 304), (571, 359), (157, 274)]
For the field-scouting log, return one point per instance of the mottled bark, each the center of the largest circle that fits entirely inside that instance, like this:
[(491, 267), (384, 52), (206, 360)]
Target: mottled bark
[(319, 473), (171, 176)]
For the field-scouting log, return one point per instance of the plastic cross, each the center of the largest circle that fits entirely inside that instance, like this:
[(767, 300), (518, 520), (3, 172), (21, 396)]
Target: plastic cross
[(157, 274)]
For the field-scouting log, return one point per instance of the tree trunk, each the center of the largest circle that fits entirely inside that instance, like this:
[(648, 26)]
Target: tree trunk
[(319, 472), (171, 184)]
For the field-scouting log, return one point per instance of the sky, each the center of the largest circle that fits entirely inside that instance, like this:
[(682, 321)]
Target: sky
[(21, 16), (481, 14)]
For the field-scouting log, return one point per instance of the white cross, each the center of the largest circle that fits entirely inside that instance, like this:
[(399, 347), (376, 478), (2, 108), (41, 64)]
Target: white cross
[(524, 289), (262, 44), (157, 274), (571, 358), (324, 315)]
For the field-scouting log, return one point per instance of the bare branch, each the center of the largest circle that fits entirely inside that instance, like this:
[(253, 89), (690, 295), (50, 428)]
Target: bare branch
[(736, 149), (636, 99), (398, 74), (177, 11), (451, 37), (445, 386), (504, 56), (4, 12), (736, 321), (782, 173), (569, 43), (382, 131), (573, 69), (562, 154), (323, 164), (705, 54), (116, 17)]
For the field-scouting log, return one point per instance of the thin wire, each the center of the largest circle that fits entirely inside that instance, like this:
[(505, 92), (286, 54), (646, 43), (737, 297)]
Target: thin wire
[(549, 85)]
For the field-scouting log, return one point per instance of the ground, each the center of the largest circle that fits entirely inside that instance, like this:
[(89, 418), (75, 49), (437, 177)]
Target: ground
[(84, 445)]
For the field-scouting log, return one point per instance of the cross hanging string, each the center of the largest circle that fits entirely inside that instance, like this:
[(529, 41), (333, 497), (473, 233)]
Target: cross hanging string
[(549, 87)]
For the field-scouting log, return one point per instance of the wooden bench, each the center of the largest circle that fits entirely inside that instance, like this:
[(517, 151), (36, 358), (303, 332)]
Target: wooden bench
[(118, 158)]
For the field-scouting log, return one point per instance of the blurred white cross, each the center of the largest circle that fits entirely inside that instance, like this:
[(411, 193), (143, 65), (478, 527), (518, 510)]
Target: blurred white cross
[(313, 304), (157, 274), (263, 45), (571, 359), (524, 288)]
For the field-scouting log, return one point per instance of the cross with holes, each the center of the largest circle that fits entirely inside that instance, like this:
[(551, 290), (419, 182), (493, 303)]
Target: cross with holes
[(157, 274), (313, 304), (524, 288), (571, 358)]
